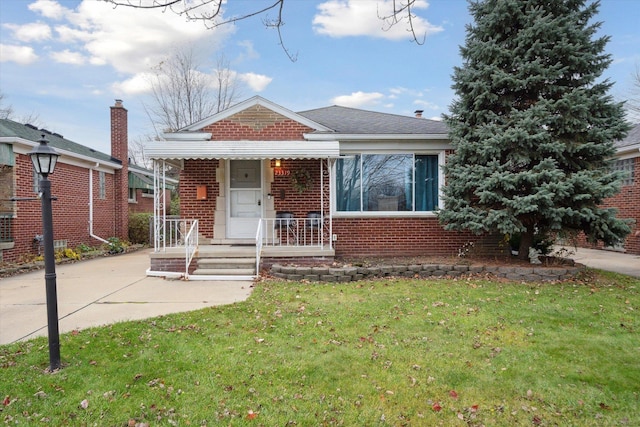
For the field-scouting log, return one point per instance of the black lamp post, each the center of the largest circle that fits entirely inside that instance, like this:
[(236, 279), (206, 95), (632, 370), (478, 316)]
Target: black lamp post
[(44, 160)]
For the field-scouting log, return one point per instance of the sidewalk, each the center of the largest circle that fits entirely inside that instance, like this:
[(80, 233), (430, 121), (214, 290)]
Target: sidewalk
[(101, 291), (606, 260)]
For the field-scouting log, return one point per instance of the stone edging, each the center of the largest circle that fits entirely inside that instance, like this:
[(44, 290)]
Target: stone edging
[(348, 273)]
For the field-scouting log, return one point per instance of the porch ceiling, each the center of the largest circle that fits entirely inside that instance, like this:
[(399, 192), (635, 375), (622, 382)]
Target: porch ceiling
[(177, 150)]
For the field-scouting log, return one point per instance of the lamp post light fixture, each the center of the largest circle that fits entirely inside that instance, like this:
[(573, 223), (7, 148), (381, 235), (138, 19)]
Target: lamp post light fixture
[(44, 160)]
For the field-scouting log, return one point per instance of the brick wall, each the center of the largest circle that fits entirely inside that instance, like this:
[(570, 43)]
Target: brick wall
[(627, 201), (294, 201), (256, 124), (70, 187), (404, 236), (144, 203), (194, 174)]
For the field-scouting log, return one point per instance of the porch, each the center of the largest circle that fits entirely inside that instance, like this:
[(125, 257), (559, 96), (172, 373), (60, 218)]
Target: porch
[(181, 252)]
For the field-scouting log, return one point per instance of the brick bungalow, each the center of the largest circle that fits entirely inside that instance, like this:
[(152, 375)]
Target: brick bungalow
[(263, 183), (91, 188)]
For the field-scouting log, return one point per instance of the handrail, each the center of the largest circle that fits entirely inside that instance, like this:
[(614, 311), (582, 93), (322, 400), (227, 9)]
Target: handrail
[(259, 243), (190, 246)]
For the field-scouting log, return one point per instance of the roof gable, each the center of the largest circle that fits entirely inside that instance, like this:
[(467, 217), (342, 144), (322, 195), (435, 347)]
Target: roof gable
[(255, 108)]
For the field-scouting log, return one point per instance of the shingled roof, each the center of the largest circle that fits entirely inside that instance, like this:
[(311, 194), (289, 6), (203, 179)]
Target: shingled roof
[(9, 128), (346, 120), (633, 138)]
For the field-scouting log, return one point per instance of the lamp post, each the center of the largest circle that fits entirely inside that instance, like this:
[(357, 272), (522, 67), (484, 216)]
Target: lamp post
[(44, 160)]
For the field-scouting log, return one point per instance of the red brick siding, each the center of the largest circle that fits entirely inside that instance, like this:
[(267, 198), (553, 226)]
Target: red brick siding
[(401, 236), (144, 204), (627, 201), (70, 210), (298, 203), (257, 124), (194, 174)]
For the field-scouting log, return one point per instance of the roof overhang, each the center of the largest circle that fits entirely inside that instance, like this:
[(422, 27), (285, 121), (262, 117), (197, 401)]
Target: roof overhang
[(237, 150)]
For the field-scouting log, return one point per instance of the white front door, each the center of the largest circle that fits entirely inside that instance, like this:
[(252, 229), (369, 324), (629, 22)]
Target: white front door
[(245, 198)]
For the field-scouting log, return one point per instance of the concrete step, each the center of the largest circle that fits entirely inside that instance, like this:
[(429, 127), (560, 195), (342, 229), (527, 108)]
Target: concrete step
[(224, 272), (226, 263)]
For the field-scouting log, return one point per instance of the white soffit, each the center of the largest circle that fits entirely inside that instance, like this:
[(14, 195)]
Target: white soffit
[(166, 150)]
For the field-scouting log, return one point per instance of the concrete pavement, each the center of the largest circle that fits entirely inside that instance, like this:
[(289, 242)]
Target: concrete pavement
[(113, 289), (606, 260), (102, 291)]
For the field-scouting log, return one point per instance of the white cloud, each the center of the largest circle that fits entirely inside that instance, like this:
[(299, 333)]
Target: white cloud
[(257, 82), (23, 55), (48, 8), (426, 104), (342, 18), (34, 32), (138, 84), (358, 99), (68, 57)]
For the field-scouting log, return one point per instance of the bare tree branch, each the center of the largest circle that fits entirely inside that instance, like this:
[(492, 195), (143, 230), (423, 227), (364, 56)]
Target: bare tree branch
[(400, 10), (210, 13)]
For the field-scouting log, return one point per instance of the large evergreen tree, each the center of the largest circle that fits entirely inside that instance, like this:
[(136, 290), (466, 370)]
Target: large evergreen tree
[(532, 124)]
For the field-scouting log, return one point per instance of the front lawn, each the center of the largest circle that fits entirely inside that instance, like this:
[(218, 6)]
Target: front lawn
[(374, 353)]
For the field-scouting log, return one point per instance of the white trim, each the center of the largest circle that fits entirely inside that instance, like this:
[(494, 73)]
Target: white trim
[(187, 136), (256, 100), (239, 150)]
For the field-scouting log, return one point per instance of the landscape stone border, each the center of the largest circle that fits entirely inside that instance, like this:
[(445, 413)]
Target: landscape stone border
[(352, 273)]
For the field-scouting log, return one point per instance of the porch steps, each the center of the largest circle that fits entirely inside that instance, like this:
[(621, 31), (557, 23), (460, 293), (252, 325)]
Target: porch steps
[(238, 264)]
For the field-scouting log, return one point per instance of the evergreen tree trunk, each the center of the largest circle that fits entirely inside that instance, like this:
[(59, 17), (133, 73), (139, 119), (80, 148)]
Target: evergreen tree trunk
[(526, 241)]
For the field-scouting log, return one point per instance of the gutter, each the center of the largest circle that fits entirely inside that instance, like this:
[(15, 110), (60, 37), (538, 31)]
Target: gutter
[(91, 205)]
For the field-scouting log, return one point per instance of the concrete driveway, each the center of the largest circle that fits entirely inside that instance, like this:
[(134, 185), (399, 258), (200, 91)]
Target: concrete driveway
[(102, 291), (606, 260)]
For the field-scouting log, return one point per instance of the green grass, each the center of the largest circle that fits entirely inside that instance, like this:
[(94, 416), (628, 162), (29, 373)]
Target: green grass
[(388, 352)]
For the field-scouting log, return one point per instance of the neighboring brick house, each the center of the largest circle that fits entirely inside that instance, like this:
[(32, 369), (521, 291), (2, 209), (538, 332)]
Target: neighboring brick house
[(345, 181), (91, 189), (627, 201), (141, 191)]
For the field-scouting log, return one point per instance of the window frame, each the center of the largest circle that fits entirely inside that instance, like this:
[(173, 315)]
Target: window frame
[(626, 165), (441, 154)]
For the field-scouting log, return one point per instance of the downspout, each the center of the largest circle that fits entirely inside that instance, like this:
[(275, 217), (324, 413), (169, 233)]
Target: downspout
[(91, 205)]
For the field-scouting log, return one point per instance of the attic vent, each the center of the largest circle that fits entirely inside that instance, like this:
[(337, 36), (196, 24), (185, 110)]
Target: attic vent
[(29, 125), (57, 134)]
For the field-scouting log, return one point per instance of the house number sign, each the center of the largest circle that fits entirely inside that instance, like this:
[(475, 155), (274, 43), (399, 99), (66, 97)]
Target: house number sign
[(281, 172)]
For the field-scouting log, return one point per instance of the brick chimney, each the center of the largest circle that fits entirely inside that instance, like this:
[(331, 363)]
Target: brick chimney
[(418, 113), (120, 151)]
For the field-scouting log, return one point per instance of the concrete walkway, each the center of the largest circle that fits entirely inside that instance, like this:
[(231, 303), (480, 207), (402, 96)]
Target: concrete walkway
[(102, 291), (114, 289), (606, 260)]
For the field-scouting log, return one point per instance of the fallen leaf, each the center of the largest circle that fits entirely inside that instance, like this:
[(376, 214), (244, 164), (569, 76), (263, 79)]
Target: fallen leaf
[(474, 408), (604, 406), (84, 404), (436, 407), (251, 415), (6, 401), (453, 394)]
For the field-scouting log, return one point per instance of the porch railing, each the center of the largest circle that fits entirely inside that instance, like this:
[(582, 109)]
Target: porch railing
[(190, 246), (259, 243), (294, 232), (172, 232)]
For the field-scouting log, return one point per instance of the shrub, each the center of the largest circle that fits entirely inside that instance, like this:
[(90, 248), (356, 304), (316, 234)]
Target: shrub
[(139, 227), (115, 245)]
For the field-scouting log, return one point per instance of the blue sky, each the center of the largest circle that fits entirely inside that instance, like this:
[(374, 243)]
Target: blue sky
[(67, 60)]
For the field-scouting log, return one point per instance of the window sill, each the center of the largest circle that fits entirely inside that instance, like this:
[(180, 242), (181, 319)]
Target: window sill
[(383, 214)]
